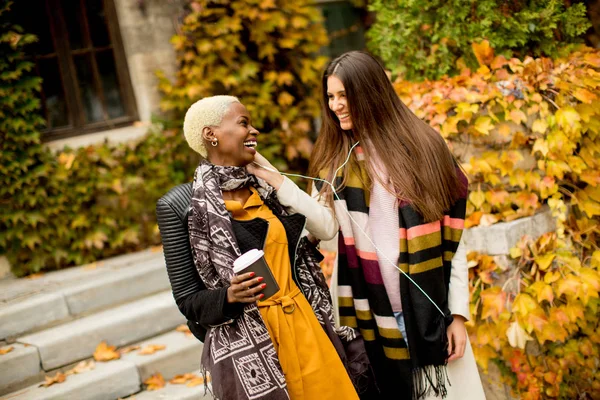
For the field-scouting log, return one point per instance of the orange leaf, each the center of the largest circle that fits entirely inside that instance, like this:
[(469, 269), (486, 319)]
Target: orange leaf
[(82, 367), (483, 52), (184, 329), (155, 382), (58, 378), (5, 350), (197, 381), (151, 349), (473, 219), (128, 349), (493, 301), (568, 285), (517, 116), (584, 95), (499, 62), (181, 379), (105, 352)]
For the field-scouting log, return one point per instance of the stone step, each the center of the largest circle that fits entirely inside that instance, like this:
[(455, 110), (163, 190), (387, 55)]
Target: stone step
[(27, 305), (107, 381), (20, 367), (181, 355), (175, 392), (119, 326)]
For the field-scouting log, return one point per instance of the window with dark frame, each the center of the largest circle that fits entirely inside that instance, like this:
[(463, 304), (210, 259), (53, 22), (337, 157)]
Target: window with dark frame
[(79, 55)]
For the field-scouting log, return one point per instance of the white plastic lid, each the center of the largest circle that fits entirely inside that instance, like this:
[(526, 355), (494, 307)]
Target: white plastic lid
[(246, 259)]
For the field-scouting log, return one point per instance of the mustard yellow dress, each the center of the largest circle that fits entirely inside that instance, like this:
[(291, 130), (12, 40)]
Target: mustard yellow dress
[(312, 367)]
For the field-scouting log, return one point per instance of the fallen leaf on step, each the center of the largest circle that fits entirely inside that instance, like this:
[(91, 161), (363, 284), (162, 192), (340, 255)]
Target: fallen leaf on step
[(151, 349), (105, 352), (129, 349), (35, 276), (155, 382), (181, 379), (82, 367), (51, 380), (185, 329), (5, 350), (197, 381)]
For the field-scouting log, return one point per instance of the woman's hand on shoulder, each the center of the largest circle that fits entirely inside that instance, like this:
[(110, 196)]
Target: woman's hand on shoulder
[(245, 288), (265, 171), (457, 338)]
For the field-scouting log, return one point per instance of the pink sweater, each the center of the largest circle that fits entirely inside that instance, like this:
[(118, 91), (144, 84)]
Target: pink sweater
[(383, 224)]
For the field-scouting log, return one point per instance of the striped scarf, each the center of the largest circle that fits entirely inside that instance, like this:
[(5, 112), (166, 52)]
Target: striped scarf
[(426, 252)]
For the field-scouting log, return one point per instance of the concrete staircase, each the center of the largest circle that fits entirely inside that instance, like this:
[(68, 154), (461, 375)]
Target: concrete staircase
[(57, 320)]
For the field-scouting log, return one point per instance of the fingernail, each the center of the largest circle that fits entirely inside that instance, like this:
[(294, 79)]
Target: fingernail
[(262, 295), (264, 285), (252, 274), (260, 279)]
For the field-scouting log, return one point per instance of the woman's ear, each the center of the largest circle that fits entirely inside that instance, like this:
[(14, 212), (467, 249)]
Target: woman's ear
[(208, 134)]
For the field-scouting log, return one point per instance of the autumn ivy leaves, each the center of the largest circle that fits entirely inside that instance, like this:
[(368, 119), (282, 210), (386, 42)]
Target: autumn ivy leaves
[(528, 134)]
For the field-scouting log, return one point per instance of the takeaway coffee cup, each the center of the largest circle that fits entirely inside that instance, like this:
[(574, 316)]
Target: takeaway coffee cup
[(254, 261)]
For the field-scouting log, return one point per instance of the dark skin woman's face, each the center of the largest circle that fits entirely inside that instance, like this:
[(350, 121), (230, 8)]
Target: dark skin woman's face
[(236, 138)]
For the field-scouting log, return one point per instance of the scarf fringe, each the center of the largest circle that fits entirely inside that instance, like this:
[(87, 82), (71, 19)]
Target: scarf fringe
[(206, 377), (430, 379)]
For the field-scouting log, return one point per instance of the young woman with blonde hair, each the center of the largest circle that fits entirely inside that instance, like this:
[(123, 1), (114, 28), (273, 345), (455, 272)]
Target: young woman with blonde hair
[(281, 347)]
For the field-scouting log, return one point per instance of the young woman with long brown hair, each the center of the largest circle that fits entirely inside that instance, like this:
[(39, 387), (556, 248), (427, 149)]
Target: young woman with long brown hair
[(400, 202)]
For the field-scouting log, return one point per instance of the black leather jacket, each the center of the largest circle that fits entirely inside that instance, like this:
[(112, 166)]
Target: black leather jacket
[(203, 307)]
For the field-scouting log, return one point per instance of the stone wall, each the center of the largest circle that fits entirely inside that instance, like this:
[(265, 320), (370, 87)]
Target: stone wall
[(146, 29)]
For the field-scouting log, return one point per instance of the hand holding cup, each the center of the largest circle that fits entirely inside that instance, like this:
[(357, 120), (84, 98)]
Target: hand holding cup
[(245, 288)]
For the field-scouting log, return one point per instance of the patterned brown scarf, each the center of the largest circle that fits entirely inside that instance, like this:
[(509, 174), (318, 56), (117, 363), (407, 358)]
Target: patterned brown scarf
[(239, 354)]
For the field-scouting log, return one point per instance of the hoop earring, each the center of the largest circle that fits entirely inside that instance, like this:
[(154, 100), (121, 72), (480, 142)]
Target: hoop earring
[(214, 143)]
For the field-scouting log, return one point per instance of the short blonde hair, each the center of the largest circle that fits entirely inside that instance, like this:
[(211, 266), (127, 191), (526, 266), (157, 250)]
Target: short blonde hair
[(208, 111)]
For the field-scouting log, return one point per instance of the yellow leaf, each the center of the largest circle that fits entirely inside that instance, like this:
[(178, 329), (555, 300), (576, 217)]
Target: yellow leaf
[(105, 352), (6, 350), (151, 349), (517, 337), (540, 145), (285, 99), (477, 198), (484, 52), (567, 117), (155, 382), (591, 278), (484, 125), (544, 261), (516, 252), (524, 304), (590, 207), (539, 126)]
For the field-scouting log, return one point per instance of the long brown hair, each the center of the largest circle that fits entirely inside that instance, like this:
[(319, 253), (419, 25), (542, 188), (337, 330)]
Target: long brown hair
[(418, 161)]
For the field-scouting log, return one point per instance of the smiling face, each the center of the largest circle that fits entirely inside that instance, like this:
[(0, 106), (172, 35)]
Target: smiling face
[(338, 102), (236, 138)]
